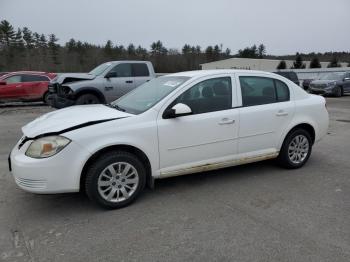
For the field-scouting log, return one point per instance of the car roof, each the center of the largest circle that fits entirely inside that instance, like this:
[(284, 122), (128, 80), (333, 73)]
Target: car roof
[(200, 73), (50, 75), (128, 61)]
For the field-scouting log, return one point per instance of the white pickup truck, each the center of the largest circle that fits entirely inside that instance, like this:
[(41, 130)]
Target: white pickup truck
[(103, 84)]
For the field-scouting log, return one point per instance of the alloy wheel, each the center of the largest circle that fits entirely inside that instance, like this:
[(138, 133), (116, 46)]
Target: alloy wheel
[(298, 149), (117, 182)]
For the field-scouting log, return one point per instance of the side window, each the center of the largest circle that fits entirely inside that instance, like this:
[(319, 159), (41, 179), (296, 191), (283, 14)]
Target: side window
[(208, 96), (122, 70), (34, 78), (257, 90), (282, 91), (14, 79), (140, 69), (262, 90)]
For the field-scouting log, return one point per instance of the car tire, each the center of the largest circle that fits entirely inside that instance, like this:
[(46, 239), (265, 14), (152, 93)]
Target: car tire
[(87, 99), (46, 98), (296, 149), (338, 92), (115, 179)]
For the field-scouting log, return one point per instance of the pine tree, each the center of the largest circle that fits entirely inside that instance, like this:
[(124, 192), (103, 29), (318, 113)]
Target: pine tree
[(298, 64), (28, 37), (7, 33), (53, 49), (131, 50), (36, 38), (282, 65), (227, 52), (261, 51), (315, 63), (186, 49), (19, 42), (209, 53), (42, 41), (108, 49), (334, 62)]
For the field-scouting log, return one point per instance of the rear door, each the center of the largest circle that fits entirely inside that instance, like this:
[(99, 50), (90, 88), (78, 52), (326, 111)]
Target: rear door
[(13, 90), (141, 73), (123, 83), (266, 110), (35, 85)]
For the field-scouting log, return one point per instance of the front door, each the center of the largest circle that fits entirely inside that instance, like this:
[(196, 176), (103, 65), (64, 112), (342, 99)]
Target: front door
[(206, 137), (13, 90), (121, 84)]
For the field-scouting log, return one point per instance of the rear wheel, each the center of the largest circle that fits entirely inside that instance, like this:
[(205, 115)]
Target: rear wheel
[(87, 99), (338, 92), (296, 149), (46, 98), (115, 179)]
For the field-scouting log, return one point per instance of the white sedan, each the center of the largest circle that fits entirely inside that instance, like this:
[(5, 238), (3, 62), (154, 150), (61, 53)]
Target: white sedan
[(172, 125)]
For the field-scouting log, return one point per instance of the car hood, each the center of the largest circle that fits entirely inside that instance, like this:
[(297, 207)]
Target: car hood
[(68, 119), (322, 82), (72, 77)]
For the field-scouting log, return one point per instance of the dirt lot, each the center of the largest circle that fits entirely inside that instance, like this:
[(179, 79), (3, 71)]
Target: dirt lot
[(256, 212)]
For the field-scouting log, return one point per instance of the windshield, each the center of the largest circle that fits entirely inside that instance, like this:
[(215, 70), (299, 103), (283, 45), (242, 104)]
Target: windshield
[(148, 94), (333, 76), (100, 69)]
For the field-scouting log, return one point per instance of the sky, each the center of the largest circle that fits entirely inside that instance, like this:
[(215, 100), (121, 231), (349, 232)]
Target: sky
[(283, 26)]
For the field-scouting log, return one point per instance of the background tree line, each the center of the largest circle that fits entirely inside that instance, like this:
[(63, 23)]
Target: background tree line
[(23, 49)]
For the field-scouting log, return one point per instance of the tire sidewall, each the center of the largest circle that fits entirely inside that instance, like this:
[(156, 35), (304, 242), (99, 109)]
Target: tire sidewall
[(91, 185), (80, 100), (284, 157)]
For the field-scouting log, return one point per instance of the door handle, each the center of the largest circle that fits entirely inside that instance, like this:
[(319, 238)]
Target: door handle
[(18, 86), (226, 121), (281, 113), (129, 81)]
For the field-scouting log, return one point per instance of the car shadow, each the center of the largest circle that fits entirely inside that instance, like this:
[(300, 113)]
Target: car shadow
[(79, 202)]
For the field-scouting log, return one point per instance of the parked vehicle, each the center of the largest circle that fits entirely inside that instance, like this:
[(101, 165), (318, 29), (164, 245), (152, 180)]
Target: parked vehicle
[(292, 76), (103, 84), (25, 86), (3, 73), (336, 84), (306, 83), (172, 125)]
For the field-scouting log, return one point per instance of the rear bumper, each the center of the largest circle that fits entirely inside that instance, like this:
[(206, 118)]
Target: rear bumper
[(59, 102)]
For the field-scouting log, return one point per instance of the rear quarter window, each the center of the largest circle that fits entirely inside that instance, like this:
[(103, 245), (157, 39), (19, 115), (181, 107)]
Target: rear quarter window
[(34, 78), (140, 69)]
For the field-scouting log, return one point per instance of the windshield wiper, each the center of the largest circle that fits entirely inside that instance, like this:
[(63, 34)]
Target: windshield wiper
[(116, 107)]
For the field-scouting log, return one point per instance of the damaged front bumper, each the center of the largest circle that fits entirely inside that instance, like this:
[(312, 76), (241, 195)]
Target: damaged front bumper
[(59, 102)]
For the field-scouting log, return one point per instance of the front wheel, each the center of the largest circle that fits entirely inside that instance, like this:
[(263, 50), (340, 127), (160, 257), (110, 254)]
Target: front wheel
[(87, 99), (296, 149), (115, 179)]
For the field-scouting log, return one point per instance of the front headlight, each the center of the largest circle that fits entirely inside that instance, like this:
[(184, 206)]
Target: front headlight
[(331, 84), (47, 146)]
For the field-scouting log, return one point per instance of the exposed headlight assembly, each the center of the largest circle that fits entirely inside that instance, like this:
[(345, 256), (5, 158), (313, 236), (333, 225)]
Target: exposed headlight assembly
[(47, 146)]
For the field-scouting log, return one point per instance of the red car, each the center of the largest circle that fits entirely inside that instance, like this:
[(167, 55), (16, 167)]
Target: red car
[(25, 86)]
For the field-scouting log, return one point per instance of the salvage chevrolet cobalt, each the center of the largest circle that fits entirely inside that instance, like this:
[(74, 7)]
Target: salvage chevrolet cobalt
[(172, 125)]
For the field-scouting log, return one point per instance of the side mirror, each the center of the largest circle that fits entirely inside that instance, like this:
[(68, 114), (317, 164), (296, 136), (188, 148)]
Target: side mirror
[(2, 83), (177, 110), (111, 75)]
